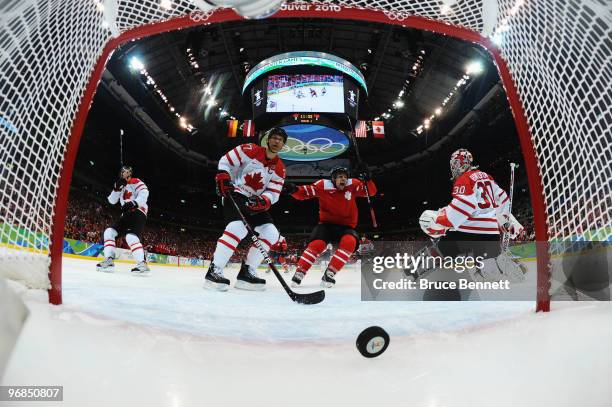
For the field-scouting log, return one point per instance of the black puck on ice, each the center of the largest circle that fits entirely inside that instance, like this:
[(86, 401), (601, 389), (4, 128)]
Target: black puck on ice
[(372, 341)]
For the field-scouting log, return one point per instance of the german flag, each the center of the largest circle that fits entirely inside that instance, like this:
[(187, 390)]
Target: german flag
[(232, 128)]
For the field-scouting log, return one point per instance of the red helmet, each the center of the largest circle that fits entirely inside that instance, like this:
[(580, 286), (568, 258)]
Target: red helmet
[(460, 162)]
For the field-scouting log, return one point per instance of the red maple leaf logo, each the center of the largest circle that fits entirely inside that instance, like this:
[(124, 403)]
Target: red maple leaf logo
[(254, 180), (127, 195)]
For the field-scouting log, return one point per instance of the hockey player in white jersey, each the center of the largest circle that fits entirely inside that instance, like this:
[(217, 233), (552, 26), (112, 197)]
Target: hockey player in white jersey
[(132, 194), (254, 175), (473, 220)]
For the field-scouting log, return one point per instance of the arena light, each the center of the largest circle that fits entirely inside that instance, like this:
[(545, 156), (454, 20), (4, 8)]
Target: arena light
[(99, 5), (136, 64), (211, 102), (398, 104), (438, 111), (474, 67), (166, 4)]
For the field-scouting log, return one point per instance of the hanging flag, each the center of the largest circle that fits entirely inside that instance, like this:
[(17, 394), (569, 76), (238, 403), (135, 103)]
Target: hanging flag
[(361, 129), (232, 128), (248, 129), (378, 128)]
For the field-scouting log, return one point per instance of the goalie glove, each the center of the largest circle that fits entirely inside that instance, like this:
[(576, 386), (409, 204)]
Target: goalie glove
[(430, 226), (508, 224)]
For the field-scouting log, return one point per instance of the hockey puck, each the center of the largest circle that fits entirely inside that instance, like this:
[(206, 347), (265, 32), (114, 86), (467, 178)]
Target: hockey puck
[(372, 341)]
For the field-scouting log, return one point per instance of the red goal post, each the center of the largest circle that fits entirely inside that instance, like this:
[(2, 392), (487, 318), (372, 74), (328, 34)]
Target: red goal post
[(552, 56)]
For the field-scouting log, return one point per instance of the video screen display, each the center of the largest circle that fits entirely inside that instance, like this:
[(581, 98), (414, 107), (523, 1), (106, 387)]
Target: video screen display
[(305, 93)]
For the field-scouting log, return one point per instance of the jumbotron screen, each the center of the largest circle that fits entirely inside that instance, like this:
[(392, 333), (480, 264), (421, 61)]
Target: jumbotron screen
[(305, 93)]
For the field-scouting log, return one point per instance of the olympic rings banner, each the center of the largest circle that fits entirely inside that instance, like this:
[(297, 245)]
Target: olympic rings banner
[(312, 142)]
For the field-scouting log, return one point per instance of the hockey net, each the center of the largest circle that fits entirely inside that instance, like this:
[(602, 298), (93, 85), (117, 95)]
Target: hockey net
[(556, 52)]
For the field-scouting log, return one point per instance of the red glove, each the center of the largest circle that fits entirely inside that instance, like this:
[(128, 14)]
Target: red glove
[(224, 184), (258, 204)]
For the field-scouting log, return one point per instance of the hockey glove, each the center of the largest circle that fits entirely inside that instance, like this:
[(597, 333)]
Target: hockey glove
[(363, 173), (258, 204), (224, 184), (129, 206), (120, 183), (430, 226), (289, 188)]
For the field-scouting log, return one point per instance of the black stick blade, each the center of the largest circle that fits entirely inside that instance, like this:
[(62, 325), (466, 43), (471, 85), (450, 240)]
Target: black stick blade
[(309, 299)]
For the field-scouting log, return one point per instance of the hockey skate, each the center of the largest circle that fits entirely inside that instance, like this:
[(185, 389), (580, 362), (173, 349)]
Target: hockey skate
[(106, 266), (141, 269), (248, 280), (328, 281), (214, 279), (297, 278)]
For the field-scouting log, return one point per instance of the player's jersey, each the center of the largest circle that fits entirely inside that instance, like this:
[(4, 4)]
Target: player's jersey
[(252, 173), (335, 206), (136, 191), (476, 199)]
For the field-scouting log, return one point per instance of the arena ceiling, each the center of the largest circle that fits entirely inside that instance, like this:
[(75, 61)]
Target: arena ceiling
[(184, 63)]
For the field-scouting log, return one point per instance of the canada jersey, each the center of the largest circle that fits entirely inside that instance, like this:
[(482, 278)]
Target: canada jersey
[(136, 191), (476, 199), (336, 206), (252, 173)]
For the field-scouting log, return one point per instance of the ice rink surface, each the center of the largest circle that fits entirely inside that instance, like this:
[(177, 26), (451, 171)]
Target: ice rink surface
[(162, 340)]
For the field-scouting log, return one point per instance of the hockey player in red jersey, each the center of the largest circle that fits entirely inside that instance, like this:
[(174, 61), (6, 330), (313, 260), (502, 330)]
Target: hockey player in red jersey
[(478, 211), (337, 220), (279, 252), (254, 175), (131, 193)]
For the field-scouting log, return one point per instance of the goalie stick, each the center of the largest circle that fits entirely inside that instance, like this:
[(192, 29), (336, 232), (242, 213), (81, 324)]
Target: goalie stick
[(365, 184), (310, 298), (506, 238), (416, 274)]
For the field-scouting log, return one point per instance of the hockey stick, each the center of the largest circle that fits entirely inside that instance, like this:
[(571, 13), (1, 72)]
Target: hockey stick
[(365, 184), (310, 298), (506, 238), (121, 147)]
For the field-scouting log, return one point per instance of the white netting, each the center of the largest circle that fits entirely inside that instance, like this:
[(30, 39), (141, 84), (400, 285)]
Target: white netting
[(557, 51)]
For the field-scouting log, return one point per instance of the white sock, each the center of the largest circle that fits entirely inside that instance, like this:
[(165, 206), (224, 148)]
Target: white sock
[(268, 236), (228, 242), (109, 242), (135, 246)]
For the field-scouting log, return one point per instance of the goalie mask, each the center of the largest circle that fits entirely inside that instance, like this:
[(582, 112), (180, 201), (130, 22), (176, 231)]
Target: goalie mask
[(460, 162)]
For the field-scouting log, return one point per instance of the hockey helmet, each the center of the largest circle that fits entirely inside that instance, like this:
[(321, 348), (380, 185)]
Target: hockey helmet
[(460, 162), (126, 168), (337, 170)]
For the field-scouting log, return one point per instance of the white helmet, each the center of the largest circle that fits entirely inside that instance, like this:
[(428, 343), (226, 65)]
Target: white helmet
[(460, 162)]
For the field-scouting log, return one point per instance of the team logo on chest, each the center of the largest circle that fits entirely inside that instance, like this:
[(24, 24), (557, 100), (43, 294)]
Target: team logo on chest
[(126, 195), (348, 195), (254, 181)]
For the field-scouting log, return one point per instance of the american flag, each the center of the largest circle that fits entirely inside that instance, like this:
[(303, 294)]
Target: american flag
[(361, 130)]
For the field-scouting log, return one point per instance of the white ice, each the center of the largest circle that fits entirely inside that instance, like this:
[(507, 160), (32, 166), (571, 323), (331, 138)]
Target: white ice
[(121, 340)]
